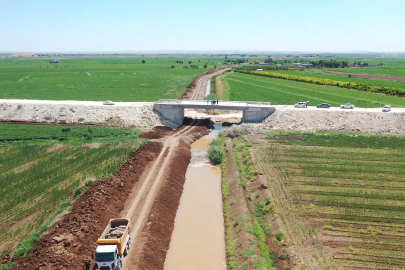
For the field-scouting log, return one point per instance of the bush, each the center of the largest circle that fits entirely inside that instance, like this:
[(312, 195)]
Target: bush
[(282, 256), (88, 183), (77, 192), (279, 235), (216, 154)]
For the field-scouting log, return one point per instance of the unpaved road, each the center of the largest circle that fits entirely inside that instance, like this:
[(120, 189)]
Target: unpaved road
[(198, 92), (141, 205)]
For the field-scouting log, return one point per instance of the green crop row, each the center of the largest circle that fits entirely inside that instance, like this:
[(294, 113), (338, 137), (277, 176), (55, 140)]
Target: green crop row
[(320, 174), (10, 132), (349, 85), (37, 175)]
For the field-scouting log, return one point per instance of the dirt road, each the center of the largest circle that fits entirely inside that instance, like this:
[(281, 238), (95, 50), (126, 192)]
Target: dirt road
[(196, 90), (139, 210)]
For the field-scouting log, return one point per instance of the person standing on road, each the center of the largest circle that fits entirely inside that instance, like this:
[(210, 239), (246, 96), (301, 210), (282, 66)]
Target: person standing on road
[(87, 264)]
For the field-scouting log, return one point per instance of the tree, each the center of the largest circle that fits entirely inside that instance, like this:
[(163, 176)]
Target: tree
[(189, 62), (205, 66), (172, 66), (143, 61)]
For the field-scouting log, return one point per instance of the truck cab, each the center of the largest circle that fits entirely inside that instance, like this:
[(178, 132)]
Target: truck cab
[(107, 258)]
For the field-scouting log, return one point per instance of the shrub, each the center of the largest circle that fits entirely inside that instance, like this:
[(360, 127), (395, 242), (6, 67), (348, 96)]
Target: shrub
[(216, 154), (77, 192), (279, 235), (88, 183), (282, 256)]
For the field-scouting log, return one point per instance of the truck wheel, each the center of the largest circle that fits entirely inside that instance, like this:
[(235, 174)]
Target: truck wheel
[(126, 251)]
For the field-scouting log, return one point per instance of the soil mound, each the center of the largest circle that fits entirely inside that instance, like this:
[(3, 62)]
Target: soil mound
[(71, 241)]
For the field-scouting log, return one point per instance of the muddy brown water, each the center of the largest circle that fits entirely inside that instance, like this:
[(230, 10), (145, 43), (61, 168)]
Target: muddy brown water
[(198, 240)]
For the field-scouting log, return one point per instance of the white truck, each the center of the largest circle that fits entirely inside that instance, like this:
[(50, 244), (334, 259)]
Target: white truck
[(113, 245)]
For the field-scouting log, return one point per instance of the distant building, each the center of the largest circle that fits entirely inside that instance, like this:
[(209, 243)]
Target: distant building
[(55, 61), (218, 63), (259, 69), (263, 64)]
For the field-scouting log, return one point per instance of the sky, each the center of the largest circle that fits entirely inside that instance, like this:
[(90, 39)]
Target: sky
[(208, 25)]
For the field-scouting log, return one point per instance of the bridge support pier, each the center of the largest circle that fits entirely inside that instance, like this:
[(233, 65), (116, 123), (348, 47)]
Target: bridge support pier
[(257, 114), (171, 115)]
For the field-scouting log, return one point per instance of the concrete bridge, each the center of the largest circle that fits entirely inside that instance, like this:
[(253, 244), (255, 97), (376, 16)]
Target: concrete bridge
[(171, 112)]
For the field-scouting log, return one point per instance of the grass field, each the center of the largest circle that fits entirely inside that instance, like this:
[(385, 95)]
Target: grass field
[(117, 79), (257, 88), (42, 166), (340, 197)]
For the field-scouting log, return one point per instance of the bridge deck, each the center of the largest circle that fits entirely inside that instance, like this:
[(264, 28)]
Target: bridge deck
[(222, 105)]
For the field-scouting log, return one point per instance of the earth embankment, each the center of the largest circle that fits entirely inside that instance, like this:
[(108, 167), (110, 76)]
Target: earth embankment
[(123, 114), (358, 120)]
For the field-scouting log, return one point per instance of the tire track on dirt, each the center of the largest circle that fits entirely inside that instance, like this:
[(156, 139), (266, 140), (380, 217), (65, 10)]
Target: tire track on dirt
[(141, 207)]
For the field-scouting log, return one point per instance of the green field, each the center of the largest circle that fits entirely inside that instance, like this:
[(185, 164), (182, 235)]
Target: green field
[(277, 91), (117, 79), (42, 166), (373, 82), (392, 67), (340, 197)]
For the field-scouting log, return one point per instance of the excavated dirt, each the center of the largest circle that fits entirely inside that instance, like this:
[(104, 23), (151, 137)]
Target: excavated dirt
[(72, 240), (154, 240), (157, 133)]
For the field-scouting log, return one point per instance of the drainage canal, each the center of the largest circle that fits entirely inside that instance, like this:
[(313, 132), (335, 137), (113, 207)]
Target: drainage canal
[(198, 238)]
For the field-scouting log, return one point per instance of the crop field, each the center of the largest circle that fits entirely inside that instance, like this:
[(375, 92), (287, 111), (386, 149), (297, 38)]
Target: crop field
[(118, 79), (340, 197), (256, 88), (43, 166), (374, 82), (392, 67)]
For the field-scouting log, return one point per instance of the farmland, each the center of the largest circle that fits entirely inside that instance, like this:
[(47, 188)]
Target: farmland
[(114, 78), (338, 198), (373, 82), (43, 167), (392, 67), (257, 88)]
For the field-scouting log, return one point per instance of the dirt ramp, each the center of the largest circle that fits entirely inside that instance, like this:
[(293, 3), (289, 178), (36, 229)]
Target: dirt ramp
[(72, 240)]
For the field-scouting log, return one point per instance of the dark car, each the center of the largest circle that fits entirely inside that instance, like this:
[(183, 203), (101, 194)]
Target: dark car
[(323, 105)]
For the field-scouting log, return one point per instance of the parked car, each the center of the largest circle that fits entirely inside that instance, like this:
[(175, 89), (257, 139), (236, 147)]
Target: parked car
[(323, 105), (386, 108), (108, 102), (301, 105), (347, 106)]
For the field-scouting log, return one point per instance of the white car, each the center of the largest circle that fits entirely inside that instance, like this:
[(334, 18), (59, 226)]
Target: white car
[(347, 106), (301, 105), (386, 108), (108, 102)]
